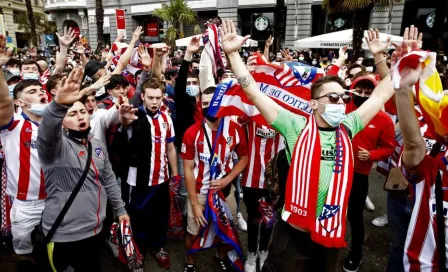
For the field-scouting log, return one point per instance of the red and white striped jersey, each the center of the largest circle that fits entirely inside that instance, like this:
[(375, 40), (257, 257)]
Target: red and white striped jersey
[(421, 252), (195, 147), (162, 132), (263, 144), (23, 169)]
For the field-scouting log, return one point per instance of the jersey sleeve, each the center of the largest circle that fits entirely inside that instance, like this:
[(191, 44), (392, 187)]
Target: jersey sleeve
[(354, 123), (187, 148), (170, 134), (426, 170)]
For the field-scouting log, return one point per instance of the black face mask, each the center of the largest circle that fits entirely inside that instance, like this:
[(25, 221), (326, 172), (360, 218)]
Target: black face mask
[(210, 118), (78, 134), (195, 70), (359, 100), (150, 113)]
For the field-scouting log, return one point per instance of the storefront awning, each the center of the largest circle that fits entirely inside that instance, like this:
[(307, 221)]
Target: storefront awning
[(185, 41), (337, 40)]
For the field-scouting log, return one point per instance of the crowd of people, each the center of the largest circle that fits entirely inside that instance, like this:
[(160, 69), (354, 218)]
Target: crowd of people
[(103, 138)]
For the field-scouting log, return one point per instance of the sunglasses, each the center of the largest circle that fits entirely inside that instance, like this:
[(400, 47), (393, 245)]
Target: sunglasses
[(334, 97)]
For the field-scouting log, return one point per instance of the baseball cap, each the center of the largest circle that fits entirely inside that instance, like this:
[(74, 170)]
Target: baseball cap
[(92, 67), (364, 78)]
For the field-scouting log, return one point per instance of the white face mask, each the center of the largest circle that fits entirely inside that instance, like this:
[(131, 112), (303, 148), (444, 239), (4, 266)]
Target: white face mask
[(11, 90), (31, 76), (334, 114), (301, 58), (192, 90), (37, 108), (15, 72)]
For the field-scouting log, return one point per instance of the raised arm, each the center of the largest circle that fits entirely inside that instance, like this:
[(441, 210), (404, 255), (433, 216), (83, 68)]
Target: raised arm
[(146, 63), (6, 101), (231, 43), (124, 59), (49, 139), (82, 54), (267, 45), (414, 146), (64, 42), (158, 66)]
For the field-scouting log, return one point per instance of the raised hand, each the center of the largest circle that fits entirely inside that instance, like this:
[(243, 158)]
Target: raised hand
[(80, 49), (5, 55), (230, 41), (286, 55), (269, 41), (193, 46), (409, 74), (160, 49), (411, 34), (103, 81), (120, 37), (251, 63), (136, 35), (67, 38), (33, 52), (144, 56), (343, 53), (70, 91), (374, 43)]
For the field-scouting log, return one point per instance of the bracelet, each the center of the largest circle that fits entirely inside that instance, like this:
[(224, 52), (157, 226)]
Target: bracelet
[(376, 63), (246, 80)]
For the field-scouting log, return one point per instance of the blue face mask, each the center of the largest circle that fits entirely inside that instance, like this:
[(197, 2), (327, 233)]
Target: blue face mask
[(334, 114), (30, 76), (11, 90), (193, 90)]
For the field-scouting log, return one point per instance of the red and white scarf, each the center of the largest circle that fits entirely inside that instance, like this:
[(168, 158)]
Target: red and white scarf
[(327, 229)]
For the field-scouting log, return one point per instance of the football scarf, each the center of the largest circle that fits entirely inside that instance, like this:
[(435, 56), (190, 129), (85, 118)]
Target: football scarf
[(211, 40), (5, 204), (328, 228), (175, 223), (123, 246), (221, 229), (266, 209)]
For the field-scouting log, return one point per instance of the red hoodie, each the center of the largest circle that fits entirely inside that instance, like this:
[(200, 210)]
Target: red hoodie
[(379, 138)]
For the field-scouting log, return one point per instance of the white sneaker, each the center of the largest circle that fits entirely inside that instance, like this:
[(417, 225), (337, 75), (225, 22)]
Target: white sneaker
[(369, 205), (241, 223), (380, 221), (263, 255), (241, 195), (251, 262)]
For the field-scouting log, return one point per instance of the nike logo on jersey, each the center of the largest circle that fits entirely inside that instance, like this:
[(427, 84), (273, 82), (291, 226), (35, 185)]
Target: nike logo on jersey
[(371, 126)]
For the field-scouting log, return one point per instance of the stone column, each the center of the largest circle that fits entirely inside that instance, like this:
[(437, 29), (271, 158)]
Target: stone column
[(380, 20), (303, 19), (228, 9)]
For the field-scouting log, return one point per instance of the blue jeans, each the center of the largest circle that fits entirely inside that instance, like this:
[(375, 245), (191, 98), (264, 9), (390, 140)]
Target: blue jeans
[(399, 211)]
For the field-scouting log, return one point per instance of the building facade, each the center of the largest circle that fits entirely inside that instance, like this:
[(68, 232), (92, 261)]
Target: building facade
[(14, 12), (303, 18)]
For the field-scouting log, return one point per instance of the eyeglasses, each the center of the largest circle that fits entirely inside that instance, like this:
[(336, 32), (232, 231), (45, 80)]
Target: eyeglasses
[(334, 97)]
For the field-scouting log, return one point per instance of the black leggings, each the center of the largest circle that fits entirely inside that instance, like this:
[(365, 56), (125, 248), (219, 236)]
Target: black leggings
[(251, 197), (356, 203), (83, 255)]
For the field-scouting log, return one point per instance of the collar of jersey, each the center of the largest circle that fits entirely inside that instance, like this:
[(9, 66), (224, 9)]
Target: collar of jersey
[(28, 119)]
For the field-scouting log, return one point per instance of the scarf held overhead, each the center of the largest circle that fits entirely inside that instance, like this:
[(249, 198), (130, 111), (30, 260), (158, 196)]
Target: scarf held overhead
[(431, 97), (288, 84), (328, 228)]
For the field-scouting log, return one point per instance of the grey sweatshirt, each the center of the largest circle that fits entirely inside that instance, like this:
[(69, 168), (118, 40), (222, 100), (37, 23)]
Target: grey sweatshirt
[(63, 161)]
